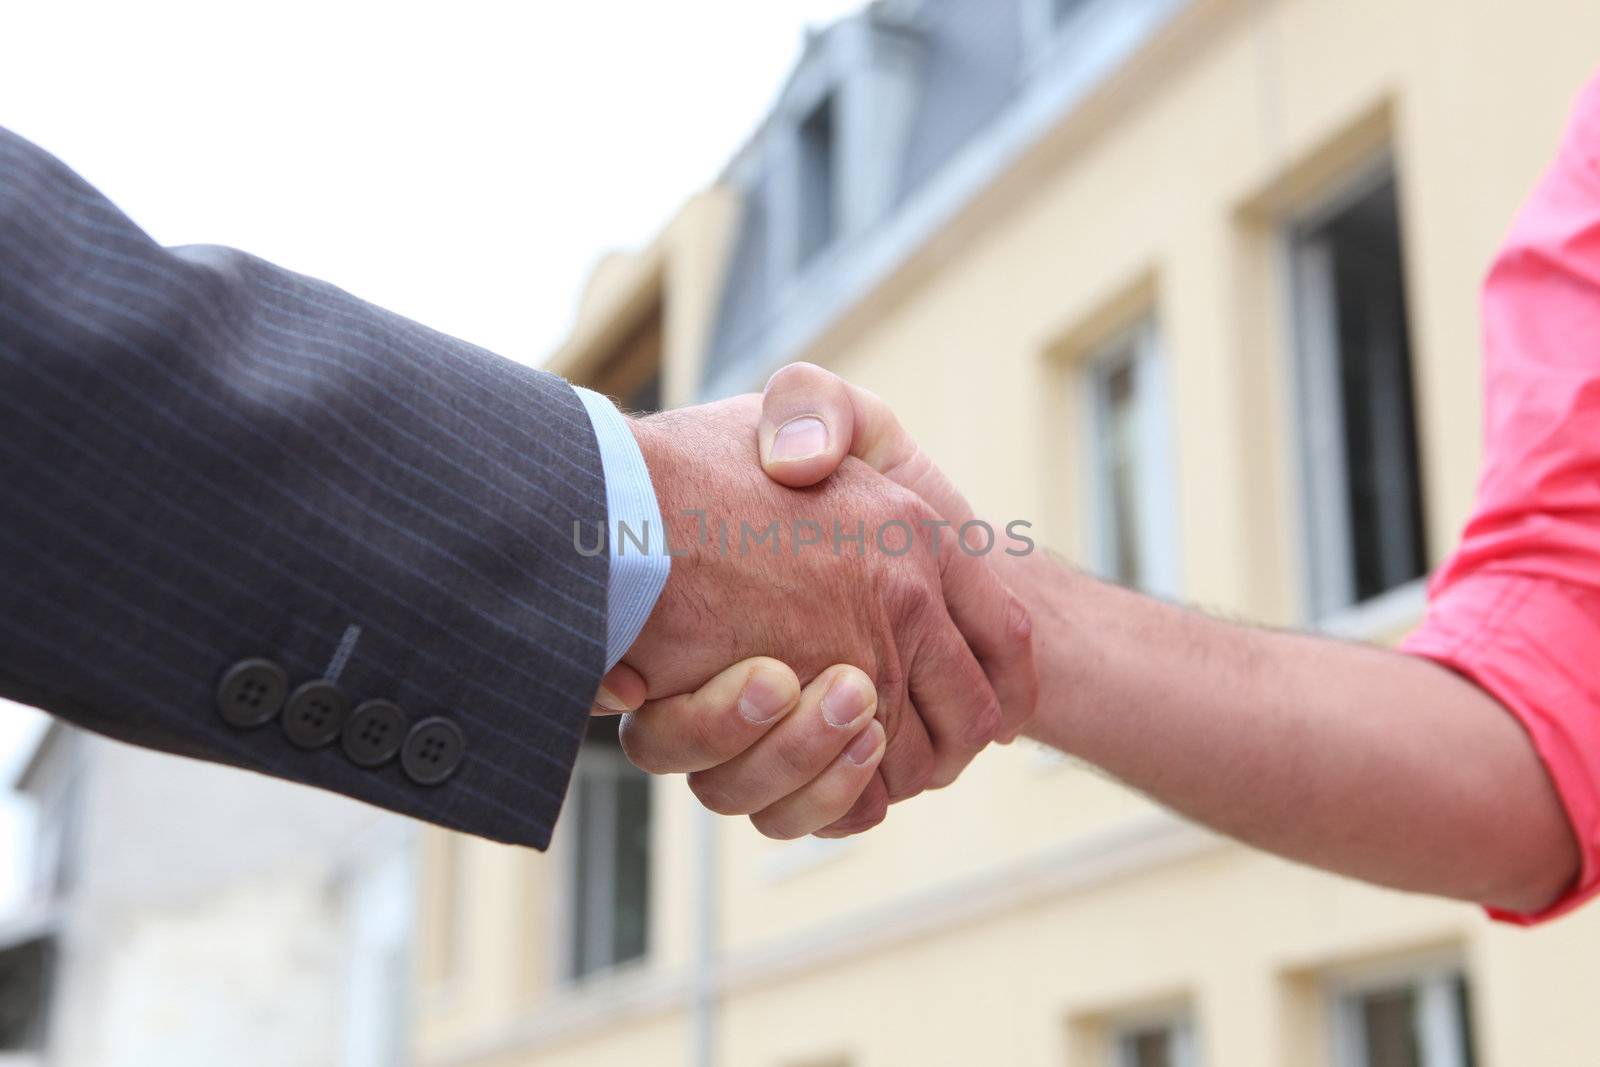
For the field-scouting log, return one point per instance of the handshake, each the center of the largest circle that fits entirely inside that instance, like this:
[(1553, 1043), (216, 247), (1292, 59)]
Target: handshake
[(880, 637), (875, 646)]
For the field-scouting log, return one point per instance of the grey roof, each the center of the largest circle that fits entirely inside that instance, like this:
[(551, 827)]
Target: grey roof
[(745, 303), (940, 97), (971, 66)]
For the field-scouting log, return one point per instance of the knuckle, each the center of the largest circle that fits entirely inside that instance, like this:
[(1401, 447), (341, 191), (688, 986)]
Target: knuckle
[(636, 745), (796, 755), (946, 771), (904, 589), (1019, 620), (984, 723), (920, 510), (709, 735), (776, 827), (911, 781), (893, 703), (859, 822), (715, 795)]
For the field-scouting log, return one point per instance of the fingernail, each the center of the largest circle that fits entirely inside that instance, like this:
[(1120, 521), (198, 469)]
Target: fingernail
[(865, 745), (609, 700), (800, 438), (845, 700), (763, 697)]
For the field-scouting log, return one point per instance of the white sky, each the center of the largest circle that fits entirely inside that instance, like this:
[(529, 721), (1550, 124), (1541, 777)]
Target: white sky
[(464, 164)]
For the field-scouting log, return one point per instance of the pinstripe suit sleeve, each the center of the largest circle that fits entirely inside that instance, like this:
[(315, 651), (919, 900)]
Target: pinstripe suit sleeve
[(206, 459)]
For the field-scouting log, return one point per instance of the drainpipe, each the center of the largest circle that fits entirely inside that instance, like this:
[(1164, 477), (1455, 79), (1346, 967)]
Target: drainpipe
[(703, 993)]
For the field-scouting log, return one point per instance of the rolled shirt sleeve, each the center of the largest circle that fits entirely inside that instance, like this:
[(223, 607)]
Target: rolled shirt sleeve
[(1534, 644), (1516, 606), (637, 576)]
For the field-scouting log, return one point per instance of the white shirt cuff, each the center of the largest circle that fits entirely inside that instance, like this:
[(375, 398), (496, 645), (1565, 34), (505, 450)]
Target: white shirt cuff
[(638, 577)]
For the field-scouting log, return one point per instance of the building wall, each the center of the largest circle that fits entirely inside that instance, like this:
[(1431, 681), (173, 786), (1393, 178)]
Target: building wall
[(1007, 918), (214, 913)]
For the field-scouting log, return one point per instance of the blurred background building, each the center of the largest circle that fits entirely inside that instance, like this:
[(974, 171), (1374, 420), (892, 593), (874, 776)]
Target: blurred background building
[(182, 913), (1191, 285)]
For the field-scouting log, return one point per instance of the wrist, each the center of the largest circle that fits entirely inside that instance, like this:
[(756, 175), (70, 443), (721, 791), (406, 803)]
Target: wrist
[(1058, 597), (661, 447), (657, 448)]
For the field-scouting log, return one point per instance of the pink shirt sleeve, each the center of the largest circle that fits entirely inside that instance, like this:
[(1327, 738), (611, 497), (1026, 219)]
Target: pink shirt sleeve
[(1516, 607)]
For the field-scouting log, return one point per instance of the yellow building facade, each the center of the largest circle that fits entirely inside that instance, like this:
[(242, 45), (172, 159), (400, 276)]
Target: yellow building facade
[(1123, 324)]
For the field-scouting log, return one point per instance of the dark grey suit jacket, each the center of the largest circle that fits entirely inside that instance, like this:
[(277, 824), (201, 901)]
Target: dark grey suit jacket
[(221, 482)]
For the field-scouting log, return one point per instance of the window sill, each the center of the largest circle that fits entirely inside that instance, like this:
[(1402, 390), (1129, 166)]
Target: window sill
[(803, 855), (605, 982), (1383, 618)]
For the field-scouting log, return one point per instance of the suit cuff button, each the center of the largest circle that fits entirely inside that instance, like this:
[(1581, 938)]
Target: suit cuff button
[(374, 733), (315, 714), (433, 750), (251, 692)]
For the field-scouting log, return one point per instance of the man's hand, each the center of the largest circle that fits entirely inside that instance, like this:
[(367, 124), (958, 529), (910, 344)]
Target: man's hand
[(811, 599), (754, 743), (812, 421)]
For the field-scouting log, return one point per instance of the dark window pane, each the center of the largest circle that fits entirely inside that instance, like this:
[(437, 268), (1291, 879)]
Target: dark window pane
[(24, 987), (1379, 412), (632, 901), (1122, 473), (1364, 470), (818, 155), (1149, 1048), (1464, 1021), (583, 889), (1064, 9), (611, 863), (1389, 1022)]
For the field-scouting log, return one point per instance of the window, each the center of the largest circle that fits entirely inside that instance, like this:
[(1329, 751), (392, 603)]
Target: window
[(818, 180), (1358, 438), (1133, 525), (1163, 1044), (24, 995), (1418, 1021), (1062, 10), (610, 861)]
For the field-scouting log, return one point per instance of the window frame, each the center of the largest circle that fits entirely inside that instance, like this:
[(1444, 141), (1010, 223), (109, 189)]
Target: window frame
[(1321, 520), (1180, 1023), (1156, 503), (594, 760), (1432, 981)]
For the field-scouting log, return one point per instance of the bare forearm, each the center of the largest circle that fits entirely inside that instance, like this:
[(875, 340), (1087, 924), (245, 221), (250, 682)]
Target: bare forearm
[(1359, 760)]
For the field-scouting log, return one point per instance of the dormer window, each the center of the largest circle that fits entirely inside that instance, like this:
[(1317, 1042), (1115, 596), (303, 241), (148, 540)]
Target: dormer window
[(1062, 10), (818, 179), (836, 150)]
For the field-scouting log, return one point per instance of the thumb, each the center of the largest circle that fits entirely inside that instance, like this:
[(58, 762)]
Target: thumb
[(807, 425), (811, 419)]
